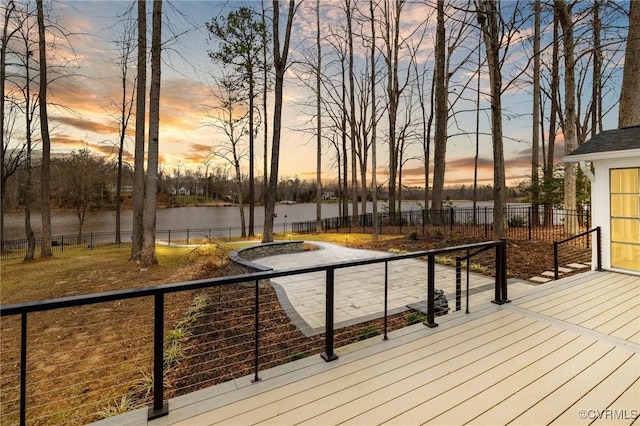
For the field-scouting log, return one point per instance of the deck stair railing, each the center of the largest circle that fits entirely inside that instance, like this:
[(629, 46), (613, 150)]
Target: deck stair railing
[(154, 302), (584, 238)]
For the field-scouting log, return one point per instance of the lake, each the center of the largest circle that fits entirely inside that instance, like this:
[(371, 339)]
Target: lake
[(66, 222)]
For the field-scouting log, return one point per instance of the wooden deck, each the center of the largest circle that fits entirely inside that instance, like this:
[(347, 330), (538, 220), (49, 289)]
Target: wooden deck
[(566, 352)]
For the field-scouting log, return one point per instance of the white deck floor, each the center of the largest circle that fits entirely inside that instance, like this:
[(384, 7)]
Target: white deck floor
[(567, 352)]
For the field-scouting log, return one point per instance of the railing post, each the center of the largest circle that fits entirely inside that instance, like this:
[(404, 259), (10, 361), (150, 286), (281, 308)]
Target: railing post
[(431, 291), (23, 370), (505, 297), (328, 354), (386, 296), (257, 334), (599, 249), (555, 261), (459, 282), (160, 407), (501, 268)]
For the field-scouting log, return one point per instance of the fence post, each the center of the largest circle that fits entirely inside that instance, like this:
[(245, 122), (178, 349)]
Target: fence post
[(599, 249), (328, 354), (91, 241), (160, 406), (451, 219), (485, 222), (169, 243), (62, 244), (555, 260), (187, 236), (529, 222), (431, 291)]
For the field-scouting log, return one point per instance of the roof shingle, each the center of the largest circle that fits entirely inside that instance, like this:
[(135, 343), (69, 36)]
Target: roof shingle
[(611, 140)]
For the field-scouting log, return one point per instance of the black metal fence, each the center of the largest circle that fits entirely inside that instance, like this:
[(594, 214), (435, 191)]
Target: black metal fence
[(521, 222), (16, 249), (31, 343)]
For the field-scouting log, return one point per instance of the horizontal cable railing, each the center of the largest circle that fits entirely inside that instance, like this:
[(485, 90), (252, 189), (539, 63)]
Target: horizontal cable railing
[(577, 249), (62, 358)]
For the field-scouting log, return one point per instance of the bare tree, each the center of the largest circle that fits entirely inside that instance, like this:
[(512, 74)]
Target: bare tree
[(374, 124), (231, 117), (488, 18), (319, 123), (568, 122), (149, 243), (11, 157), (535, 137), (45, 168), (137, 234), (280, 65), (629, 112), (125, 109), (441, 114), (352, 111)]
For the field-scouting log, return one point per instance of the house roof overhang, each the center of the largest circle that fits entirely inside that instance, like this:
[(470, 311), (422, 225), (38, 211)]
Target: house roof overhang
[(608, 145), (605, 155)]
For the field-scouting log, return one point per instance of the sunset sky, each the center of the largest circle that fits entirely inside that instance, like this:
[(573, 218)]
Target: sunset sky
[(87, 117)]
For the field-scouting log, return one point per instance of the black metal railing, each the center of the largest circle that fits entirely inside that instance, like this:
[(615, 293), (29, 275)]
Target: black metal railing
[(157, 294), (582, 239)]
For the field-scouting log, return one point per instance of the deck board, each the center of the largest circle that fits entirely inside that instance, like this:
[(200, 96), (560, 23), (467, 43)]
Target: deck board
[(556, 349), (603, 395)]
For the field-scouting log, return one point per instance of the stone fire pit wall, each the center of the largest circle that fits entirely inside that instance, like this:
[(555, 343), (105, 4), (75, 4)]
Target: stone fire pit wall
[(241, 259)]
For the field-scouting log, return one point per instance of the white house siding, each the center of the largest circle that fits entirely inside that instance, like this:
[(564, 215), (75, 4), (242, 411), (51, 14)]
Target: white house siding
[(601, 202)]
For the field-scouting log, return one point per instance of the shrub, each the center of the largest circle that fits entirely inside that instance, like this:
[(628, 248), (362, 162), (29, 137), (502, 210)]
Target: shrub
[(415, 318), (367, 332)]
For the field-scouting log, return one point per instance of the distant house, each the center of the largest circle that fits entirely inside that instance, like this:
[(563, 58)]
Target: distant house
[(615, 194), (184, 191)]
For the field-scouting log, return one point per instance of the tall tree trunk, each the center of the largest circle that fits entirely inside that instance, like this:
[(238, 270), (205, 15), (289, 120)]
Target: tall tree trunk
[(345, 178), (629, 112), (569, 122), (149, 244), (137, 234), (280, 64), (477, 155), (374, 126), (31, 239), (440, 137), (488, 17), (45, 207), (9, 8), (535, 137), (252, 184), (553, 115), (596, 84), (318, 124), (265, 77), (352, 115)]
